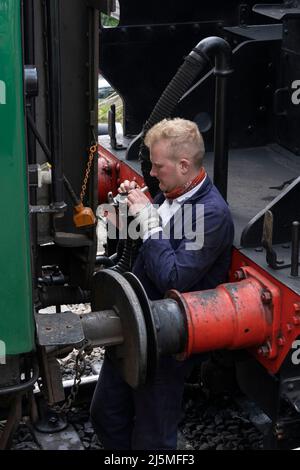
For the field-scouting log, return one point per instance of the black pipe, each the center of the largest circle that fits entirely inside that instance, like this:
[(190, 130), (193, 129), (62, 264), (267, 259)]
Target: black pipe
[(55, 279), (221, 136), (54, 61), (23, 385), (75, 199), (47, 152), (220, 50), (295, 249), (127, 258), (38, 136), (104, 261), (195, 62), (61, 295), (210, 50)]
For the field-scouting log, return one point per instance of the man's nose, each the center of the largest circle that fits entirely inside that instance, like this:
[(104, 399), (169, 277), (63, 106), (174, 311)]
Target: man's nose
[(152, 172)]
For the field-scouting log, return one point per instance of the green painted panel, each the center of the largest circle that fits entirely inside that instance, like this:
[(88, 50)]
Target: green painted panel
[(16, 311)]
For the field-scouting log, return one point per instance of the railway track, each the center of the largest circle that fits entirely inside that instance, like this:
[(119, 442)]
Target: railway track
[(208, 423)]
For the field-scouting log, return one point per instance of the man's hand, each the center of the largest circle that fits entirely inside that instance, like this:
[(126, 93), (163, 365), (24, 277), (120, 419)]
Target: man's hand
[(140, 208), (127, 185), (136, 201), (144, 213)]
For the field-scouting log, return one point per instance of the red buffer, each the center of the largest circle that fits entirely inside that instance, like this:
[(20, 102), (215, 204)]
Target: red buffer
[(236, 315)]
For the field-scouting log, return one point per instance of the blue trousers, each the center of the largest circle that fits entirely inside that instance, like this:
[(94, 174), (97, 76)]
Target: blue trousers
[(142, 419)]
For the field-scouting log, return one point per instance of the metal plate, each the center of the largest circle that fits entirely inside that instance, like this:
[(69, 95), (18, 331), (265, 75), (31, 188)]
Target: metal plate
[(57, 329), (285, 210), (277, 11), (266, 32), (152, 345), (110, 290)]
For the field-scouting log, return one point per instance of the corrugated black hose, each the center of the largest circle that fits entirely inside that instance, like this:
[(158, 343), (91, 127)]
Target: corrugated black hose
[(129, 253), (209, 48)]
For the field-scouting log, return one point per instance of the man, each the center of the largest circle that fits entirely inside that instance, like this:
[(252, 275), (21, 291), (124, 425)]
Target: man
[(147, 418)]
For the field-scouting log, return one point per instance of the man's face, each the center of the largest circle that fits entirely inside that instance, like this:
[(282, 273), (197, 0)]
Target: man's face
[(164, 168)]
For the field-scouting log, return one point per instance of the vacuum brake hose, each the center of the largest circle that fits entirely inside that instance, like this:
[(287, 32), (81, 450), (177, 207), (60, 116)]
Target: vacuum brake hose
[(209, 48)]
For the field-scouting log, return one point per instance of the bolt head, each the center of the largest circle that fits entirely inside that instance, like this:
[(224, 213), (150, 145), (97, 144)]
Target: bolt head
[(264, 350), (239, 275), (266, 297), (53, 420)]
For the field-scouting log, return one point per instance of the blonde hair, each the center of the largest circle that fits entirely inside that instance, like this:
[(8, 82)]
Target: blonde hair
[(183, 137)]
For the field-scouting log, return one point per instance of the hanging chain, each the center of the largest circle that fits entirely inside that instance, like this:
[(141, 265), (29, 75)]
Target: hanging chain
[(80, 366), (93, 150)]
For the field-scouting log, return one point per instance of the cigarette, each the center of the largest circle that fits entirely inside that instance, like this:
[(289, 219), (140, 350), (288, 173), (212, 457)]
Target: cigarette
[(143, 190)]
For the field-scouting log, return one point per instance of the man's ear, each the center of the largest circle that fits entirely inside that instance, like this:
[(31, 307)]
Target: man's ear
[(184, 165)]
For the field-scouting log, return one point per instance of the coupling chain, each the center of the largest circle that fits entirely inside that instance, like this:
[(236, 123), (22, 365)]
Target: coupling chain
[(93, 150), (80, 366)]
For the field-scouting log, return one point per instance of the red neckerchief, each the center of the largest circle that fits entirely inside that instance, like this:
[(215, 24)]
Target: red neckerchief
[(177, 192)]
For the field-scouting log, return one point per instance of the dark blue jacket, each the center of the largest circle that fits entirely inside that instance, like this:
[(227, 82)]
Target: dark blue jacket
[(165, 263)]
